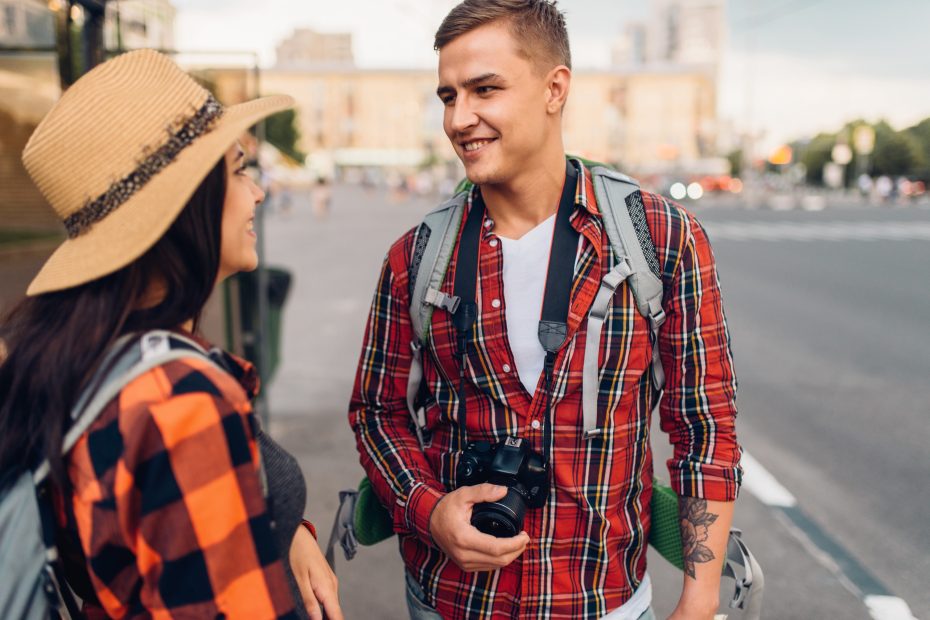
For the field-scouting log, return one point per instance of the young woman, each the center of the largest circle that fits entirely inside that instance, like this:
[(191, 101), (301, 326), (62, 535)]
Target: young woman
[(161, 508)]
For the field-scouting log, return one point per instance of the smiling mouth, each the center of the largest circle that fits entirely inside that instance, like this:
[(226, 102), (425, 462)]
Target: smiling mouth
[(474, 145)]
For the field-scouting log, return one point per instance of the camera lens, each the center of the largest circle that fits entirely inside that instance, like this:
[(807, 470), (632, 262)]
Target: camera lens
[(503, 518)]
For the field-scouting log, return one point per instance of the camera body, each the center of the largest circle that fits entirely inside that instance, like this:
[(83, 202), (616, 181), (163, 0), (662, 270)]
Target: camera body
[(509, 463)]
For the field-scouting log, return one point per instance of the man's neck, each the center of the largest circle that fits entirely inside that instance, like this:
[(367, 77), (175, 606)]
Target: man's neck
[(522, 205)]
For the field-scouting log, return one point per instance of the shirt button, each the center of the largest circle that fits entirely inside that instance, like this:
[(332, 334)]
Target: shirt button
[(535, 425), (495, 303), (506, 367), (493, 243), (488, 223)]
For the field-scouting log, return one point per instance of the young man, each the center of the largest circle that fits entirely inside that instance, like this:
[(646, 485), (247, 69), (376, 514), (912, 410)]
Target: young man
[(504, 77)]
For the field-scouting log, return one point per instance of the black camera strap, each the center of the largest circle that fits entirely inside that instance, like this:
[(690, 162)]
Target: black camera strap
[(466, 282), (553, 323)]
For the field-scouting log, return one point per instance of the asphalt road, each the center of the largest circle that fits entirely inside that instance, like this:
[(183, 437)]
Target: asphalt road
[(832, 345), (832, 340)]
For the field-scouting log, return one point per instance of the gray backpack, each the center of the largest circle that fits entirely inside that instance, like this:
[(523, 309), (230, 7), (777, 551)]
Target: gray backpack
[(31, 584), (623, 214)]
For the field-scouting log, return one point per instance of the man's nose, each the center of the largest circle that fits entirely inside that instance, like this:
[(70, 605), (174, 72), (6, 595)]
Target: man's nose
[(463, 116)]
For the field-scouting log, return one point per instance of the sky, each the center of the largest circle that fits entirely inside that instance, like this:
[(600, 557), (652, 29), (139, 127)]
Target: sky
[(791, 68)]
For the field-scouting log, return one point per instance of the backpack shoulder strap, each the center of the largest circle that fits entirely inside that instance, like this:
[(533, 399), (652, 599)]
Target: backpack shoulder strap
[(621, 205), (432, 251), (620, 202), (130, 357), (435, 241)]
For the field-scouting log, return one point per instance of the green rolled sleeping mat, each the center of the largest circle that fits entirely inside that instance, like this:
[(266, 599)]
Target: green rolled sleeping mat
[(372, 521)]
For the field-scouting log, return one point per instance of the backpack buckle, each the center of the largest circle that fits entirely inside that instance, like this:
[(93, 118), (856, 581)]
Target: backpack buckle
[(449, 303), (155, 343), (657, 318)]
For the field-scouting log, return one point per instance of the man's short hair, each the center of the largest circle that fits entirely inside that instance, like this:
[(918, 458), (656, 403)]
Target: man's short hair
[(537, 25)]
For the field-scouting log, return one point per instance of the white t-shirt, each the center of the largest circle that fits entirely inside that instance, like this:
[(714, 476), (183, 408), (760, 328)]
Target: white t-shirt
[(526, 263), (637, 605)]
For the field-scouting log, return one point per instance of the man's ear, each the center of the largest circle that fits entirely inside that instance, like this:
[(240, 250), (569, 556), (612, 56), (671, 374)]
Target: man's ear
[(558, 81)]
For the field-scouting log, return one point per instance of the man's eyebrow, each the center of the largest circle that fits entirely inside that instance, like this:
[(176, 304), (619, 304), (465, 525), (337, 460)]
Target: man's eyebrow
[(480, 79), (471, 83)]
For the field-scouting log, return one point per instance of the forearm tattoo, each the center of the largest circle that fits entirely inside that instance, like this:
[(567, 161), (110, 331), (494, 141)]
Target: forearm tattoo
[(695, 521)]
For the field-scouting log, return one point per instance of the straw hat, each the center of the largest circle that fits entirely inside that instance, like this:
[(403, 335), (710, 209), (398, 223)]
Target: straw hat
[(120, 154)]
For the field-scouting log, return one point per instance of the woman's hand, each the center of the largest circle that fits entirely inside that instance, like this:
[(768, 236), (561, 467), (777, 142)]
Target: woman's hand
[(317, 582)]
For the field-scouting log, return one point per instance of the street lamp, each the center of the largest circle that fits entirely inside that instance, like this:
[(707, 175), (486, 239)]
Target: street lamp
[(834, 173), (864, 142), (841, 154)]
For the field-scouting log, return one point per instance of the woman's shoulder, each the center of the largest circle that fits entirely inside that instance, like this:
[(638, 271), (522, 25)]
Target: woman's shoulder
[(172, 393), (169, 403)]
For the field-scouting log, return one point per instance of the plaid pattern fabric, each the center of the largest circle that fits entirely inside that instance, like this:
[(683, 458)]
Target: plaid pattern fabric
[(167, 505), (588, 549)]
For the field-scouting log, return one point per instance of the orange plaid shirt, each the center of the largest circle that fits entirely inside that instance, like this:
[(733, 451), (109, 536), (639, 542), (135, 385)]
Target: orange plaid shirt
[(165, 516)]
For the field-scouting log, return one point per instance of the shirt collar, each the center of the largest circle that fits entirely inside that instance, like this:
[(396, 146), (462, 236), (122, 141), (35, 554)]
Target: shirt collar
[(243, 371), (584, 199)]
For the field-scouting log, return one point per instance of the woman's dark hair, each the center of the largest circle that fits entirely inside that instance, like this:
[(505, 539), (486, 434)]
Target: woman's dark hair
[(56, 341)]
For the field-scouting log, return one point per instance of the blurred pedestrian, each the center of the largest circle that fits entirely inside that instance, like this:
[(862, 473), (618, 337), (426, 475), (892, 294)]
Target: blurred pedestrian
[(885, 188), (322, 198), (161, 507), (495, 374), (864, 183)]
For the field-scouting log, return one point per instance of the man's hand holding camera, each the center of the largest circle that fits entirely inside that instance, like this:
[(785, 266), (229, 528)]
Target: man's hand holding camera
[(451, 529)]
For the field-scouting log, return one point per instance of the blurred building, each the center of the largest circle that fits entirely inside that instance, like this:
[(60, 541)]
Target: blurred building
[(29, 86), (134, 24), (393, 118), (629, 49), (667, 97), (643, 120), (306, 48), (687, 32), (654, 109), (25, 23), (364, 117)]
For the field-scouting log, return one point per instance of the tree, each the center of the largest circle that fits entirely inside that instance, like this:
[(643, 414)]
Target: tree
[(735, 157), (816, 154), (281, 132), (921, 133), (896, 153)]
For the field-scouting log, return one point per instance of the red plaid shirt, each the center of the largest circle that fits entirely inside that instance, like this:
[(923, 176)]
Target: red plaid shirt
[(588, 549), (165, 517)]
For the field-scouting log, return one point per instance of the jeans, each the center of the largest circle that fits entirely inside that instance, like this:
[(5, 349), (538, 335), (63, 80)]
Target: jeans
[(416, 601), (420, 609)]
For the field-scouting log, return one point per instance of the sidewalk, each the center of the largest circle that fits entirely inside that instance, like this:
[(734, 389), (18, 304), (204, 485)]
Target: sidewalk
[(335, 263)]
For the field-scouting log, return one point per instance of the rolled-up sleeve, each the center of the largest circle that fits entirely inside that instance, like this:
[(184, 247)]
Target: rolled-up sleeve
[(698, 410)]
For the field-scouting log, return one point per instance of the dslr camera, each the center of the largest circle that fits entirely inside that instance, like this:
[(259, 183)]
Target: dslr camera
[(509, 463)]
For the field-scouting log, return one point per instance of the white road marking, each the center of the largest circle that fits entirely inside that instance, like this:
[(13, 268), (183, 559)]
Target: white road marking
[(888, 608), (818, 231), (763, 485), (758, 481)]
